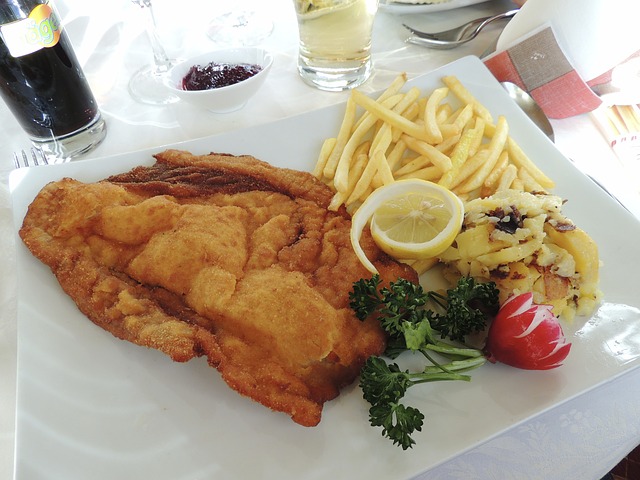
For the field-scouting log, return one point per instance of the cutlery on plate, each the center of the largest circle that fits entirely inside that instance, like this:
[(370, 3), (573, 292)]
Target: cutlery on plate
[(21, 159), (455, 36)]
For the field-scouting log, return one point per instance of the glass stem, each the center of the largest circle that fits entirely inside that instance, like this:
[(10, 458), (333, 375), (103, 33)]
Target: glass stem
[(160, 58)]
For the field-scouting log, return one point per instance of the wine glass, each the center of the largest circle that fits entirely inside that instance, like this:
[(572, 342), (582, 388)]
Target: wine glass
[(146, 85), (241, 25)]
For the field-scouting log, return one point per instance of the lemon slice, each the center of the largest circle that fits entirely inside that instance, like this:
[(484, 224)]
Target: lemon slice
[(410, 219), (310, 9)]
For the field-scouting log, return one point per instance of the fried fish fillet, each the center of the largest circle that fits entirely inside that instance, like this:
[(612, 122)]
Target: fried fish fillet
[(222, 256)]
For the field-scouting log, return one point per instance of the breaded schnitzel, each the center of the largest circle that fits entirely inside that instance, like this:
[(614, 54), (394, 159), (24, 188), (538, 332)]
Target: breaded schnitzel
[(222, 256)]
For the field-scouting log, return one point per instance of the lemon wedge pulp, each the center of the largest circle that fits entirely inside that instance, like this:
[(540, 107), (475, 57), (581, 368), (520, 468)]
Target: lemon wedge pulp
[(410, 219)]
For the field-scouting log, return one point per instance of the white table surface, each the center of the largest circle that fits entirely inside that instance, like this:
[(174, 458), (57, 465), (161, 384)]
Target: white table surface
[(583, 438)]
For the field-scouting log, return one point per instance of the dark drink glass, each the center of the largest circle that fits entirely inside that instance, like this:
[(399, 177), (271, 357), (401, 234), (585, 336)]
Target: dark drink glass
[(42, 82)]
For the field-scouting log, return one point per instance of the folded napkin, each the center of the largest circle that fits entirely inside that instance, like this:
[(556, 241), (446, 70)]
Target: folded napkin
[(571, 54), (538, 65)]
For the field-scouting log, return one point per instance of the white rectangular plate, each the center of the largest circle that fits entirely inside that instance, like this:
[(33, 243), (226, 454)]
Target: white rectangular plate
[(92, 406)]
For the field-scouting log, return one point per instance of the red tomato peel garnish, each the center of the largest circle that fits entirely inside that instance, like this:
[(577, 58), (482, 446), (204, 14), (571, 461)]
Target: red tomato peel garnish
[(526, 335)]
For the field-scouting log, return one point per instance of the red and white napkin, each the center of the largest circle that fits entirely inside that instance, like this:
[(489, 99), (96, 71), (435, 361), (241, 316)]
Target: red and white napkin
[(563, 52)]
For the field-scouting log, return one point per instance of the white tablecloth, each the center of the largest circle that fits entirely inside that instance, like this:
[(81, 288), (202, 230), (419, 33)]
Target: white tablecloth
[(583, 438)]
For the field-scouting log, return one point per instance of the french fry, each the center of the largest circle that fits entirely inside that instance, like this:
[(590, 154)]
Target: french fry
[(383, 175), (529, 183), (434, 135), (498, 168), (341, 139), (408, 108), (517, 184), (520, 159), (422, 103), (476, 143), (391, 90), (362, 198), (461, 153), (477, 179), (413, 166), (362, 149), (506, 179), (451, 115), (394, 88), (397, 152), (495, 148), (411, 113), (358, 167), (469, 167), (325, 151), (364, 182), (448, 144), (464, 117), (341, 178), (449, 130), (381, 143), (466, 97), (398, 121), (409, 157), (438, 158), (381, 140), (430, 173), (407, 101), (444, 113)]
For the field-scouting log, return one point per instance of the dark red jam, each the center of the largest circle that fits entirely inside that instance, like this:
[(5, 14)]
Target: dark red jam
[(216, 75)]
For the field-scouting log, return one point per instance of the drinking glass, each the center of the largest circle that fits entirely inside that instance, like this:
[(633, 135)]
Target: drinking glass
[(335, 42), (43, 84), (146, 85)]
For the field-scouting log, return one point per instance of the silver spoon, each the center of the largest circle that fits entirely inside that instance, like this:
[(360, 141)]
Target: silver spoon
[(529, 107)]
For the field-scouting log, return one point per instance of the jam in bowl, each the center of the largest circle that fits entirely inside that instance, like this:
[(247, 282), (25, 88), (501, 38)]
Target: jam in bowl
[(222, 80), (216, 75)]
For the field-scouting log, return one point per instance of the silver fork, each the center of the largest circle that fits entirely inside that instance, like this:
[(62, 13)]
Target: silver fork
[(455, 36), (37, 158)]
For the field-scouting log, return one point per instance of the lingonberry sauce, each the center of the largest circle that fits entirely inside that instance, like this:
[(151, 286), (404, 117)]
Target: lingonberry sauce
[(216, 75)]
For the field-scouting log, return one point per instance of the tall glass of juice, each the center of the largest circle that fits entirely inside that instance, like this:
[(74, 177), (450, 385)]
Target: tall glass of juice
[(42, 82), (335, 42)]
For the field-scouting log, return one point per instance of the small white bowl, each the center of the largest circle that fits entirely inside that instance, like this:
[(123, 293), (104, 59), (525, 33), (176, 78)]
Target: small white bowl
[(222, 99)]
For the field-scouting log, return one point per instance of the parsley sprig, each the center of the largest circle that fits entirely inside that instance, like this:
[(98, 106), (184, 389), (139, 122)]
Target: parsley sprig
[(418, 321)]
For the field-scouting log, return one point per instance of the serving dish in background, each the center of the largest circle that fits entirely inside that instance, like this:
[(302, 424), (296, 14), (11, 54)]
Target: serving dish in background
[(402, 8)]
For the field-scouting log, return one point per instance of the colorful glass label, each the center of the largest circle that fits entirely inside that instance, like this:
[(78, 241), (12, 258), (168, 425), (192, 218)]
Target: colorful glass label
[(40, 30)]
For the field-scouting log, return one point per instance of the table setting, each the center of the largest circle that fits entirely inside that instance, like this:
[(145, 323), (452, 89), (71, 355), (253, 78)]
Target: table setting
[(76, 402)]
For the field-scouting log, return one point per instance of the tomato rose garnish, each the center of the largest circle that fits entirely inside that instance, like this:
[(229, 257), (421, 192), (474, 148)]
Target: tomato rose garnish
[(526, 335)]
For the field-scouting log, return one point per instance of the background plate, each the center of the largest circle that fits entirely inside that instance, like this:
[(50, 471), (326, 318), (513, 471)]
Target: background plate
[(92, 406), (408, 8)]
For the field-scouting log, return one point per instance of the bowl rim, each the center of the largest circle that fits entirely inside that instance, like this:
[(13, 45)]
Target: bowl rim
[(170, 81)]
